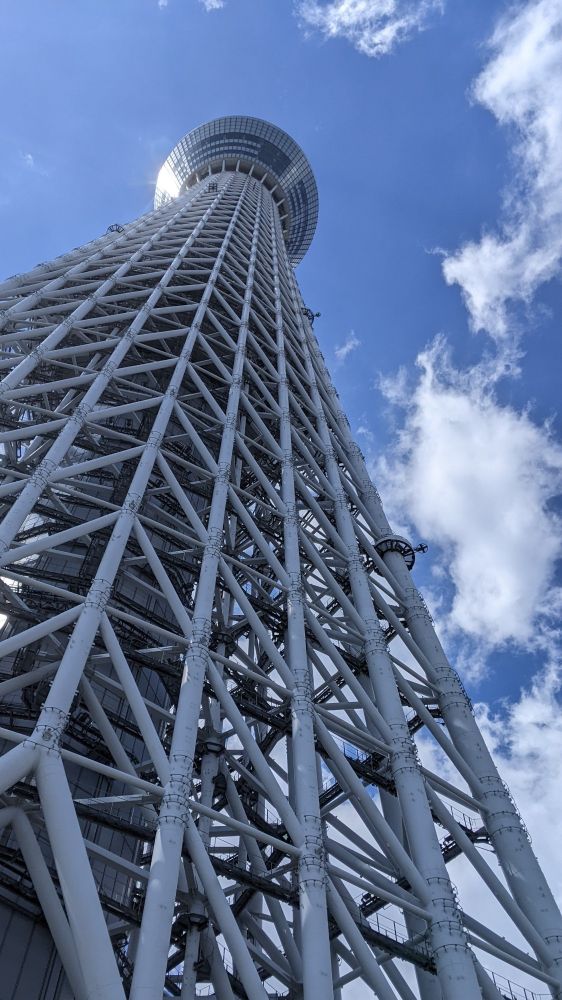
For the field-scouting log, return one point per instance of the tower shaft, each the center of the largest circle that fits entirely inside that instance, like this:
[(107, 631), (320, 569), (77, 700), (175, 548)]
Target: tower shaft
[(217, 673)]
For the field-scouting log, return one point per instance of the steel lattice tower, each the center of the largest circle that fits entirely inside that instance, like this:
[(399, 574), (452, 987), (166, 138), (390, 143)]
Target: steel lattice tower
[(216, 667)]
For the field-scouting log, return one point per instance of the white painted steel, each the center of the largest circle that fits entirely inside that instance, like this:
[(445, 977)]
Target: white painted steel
[(206, 709)]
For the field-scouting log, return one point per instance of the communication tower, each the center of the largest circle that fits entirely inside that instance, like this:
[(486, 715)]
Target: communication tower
[(216, 669)]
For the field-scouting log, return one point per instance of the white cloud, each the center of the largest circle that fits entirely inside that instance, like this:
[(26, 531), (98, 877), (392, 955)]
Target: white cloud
[(521, 85), (30, 163), (525, 739), (162, 4), (374, 27), (365, 432), (478, 478), (344, 350)]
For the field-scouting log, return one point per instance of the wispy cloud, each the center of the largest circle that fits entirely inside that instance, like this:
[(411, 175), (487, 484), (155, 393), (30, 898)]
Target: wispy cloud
[(521, 86), (29, 162), (374, 27), (207, 4), (344, 350), (366, 434)]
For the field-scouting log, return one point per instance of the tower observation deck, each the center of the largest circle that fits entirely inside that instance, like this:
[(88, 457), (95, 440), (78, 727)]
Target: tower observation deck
[(215, 667), (248, 145)]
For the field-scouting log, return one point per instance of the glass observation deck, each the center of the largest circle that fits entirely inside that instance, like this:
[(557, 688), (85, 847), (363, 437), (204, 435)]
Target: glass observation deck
[(241, 143)]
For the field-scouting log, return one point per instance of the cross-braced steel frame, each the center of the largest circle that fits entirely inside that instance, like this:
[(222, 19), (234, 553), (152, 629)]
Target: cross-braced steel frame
[(216, 667)]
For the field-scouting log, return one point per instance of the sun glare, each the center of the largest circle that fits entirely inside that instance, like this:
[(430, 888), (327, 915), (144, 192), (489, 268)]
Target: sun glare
[(167, 183)]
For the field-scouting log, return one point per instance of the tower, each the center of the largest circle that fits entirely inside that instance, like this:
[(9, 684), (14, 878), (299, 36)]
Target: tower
[(216, 668)]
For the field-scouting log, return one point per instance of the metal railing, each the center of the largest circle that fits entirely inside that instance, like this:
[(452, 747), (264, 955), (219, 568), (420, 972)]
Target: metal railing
[(513, 991)]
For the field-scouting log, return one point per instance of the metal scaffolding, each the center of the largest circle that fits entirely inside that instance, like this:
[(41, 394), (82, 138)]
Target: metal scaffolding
[(216, 670)]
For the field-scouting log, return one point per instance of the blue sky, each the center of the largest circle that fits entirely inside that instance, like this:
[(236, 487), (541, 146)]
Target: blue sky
[(435, 134)]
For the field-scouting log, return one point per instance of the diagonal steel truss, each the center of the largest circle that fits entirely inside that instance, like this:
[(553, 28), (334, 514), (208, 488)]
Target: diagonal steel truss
[(216, 668)]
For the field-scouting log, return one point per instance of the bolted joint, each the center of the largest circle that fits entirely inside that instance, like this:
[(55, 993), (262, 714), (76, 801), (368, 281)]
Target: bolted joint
[(355, 564), (200, 633), (416, 608), (404, 753), (132, 503), (41, 475), (109, 370), (374, 643), (367, 488), (311, 881), (50, 728), (291, 512), (81, 413), (154, 439), (175, 801), (303, 688), (213, 546), (222, 474), (340, 500), (502, 813), (356, 453), (313, 839), (99, 594), (295, 590)]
